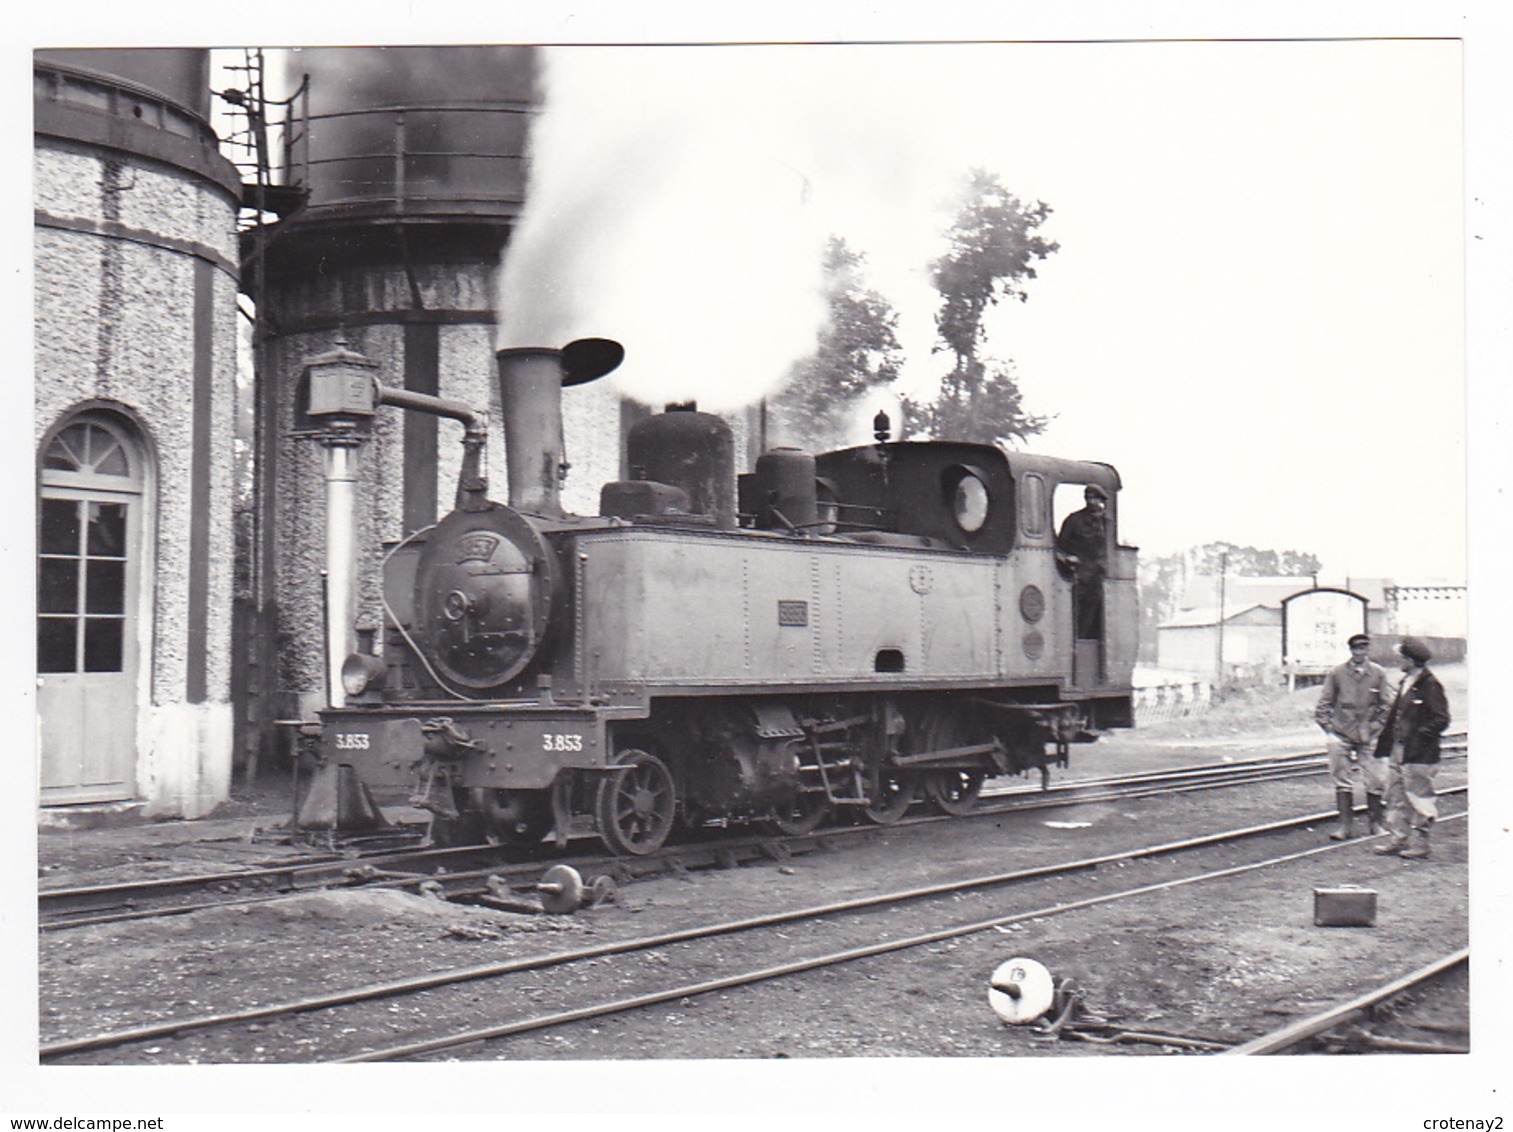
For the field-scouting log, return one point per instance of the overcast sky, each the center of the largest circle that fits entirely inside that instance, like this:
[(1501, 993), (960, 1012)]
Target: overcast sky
[(1256, 312)]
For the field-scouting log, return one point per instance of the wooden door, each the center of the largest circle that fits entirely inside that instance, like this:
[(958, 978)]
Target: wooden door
[(88, 583)]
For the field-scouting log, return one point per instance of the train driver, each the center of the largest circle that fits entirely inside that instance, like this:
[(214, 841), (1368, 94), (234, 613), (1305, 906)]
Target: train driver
[(1082, 548)]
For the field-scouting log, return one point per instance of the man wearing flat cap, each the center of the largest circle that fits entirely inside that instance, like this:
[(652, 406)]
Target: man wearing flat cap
[(1082, 548), (1410, 747), (1352, 710)]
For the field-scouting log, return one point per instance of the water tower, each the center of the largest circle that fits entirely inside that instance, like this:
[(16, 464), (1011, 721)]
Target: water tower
[(397, 176)]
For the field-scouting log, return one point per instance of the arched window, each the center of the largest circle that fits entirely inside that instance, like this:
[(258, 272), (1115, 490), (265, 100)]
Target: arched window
[(91, 481), (92, 446)]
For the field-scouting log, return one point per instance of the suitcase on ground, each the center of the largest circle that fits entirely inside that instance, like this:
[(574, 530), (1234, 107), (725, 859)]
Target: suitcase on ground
[(1345, 907)]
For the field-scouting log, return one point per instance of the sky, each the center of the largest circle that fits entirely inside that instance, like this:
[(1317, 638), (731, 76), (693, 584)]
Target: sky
[(1256, 311)]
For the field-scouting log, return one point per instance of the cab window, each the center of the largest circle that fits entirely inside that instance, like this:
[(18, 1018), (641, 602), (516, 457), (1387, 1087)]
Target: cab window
[(1033, 509)]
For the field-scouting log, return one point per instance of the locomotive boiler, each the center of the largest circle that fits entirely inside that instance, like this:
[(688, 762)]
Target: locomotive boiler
[(825, 636)]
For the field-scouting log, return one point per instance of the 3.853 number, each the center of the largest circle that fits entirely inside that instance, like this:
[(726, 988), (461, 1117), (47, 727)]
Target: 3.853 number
[(554, 742)]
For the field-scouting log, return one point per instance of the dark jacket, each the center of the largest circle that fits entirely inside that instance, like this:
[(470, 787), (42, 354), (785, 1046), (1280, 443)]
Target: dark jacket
[(1421, 716), (1084, 536)]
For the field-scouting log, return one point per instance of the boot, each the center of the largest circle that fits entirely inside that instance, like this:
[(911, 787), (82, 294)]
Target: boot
[(1376, 813), (1418, 845), (1393, 847), (1344, 800)]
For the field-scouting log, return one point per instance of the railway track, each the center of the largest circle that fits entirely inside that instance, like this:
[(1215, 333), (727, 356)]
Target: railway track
[(853, 922), (1339, 1029), (471, 871)]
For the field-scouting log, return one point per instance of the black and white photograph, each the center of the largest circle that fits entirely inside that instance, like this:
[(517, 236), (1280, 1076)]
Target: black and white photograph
[(879, 566)]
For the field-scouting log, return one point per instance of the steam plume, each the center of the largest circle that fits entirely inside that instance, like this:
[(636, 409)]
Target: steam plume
[(671, 216)]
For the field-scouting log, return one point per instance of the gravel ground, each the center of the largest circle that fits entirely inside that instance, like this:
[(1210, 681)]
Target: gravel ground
[(1220, 960)]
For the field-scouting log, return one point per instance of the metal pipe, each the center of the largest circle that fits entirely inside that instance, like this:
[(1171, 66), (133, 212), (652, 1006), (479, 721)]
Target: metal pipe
[(340, 459), (472, 483), (426, 403)]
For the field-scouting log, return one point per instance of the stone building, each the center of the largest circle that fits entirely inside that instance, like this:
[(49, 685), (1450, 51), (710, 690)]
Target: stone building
[(136, 278)]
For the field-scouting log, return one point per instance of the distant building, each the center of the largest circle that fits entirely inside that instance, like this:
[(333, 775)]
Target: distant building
[(1239, 630), (1428, 611), (1242, 639)]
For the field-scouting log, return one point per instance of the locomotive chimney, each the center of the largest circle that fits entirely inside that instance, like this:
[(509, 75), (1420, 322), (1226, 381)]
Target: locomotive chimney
[(530, 394), (531, 380)]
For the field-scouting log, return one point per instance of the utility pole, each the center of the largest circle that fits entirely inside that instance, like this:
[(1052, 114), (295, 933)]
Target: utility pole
[(1223, 573)]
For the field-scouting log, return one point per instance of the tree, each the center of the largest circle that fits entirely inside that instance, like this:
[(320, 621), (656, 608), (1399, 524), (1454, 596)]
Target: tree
[(981, 403), (991, 255), (1248, 561), (858, 352)]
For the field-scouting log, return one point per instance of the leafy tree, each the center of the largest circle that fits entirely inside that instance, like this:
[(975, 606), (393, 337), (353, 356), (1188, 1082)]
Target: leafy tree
[(991, 255), (981, 402), (858, 351), (1249, 561)]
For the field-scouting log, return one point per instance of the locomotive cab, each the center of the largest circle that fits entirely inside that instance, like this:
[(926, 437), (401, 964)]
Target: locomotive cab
[(942, 493)]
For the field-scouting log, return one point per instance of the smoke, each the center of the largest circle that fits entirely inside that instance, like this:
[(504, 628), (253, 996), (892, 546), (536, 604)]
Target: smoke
[(347, 77), (680, 198), (669, 208), (451, 154)]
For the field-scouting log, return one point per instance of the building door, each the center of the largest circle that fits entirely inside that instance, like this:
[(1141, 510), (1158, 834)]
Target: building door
[(89, 565)]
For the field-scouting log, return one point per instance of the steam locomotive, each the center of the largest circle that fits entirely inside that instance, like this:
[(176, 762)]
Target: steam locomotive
[(827, 636)]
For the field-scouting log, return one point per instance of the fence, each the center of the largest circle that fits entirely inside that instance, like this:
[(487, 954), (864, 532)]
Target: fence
[(1170, 695)]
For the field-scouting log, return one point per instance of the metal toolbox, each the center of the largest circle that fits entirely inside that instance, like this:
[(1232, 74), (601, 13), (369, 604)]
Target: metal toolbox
[(1347, 907)]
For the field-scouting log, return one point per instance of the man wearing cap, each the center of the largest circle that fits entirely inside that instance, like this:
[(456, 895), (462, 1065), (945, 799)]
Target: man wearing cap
[(1352, 710), (1082, 547), (1410, 747)]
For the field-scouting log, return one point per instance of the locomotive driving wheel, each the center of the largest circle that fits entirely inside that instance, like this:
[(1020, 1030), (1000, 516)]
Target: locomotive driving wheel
[(955, 791), (805, 814), (895, 794), (635, 807)]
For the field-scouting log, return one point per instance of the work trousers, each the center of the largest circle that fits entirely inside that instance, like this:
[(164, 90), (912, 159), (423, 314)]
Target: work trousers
[(1352, 765), (1410, 795)]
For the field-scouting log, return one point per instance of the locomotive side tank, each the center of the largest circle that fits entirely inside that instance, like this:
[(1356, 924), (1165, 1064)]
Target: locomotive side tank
[(870, 625)]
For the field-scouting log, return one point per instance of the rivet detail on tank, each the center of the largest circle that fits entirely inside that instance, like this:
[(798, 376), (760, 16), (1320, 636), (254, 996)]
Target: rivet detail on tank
[(921, 580)]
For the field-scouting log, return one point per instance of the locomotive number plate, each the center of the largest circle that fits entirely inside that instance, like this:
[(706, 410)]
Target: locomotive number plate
[(352, 741), (793, 613), (558, 741)]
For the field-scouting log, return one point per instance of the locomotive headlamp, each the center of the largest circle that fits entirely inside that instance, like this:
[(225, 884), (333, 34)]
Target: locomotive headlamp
[(360, 673)]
